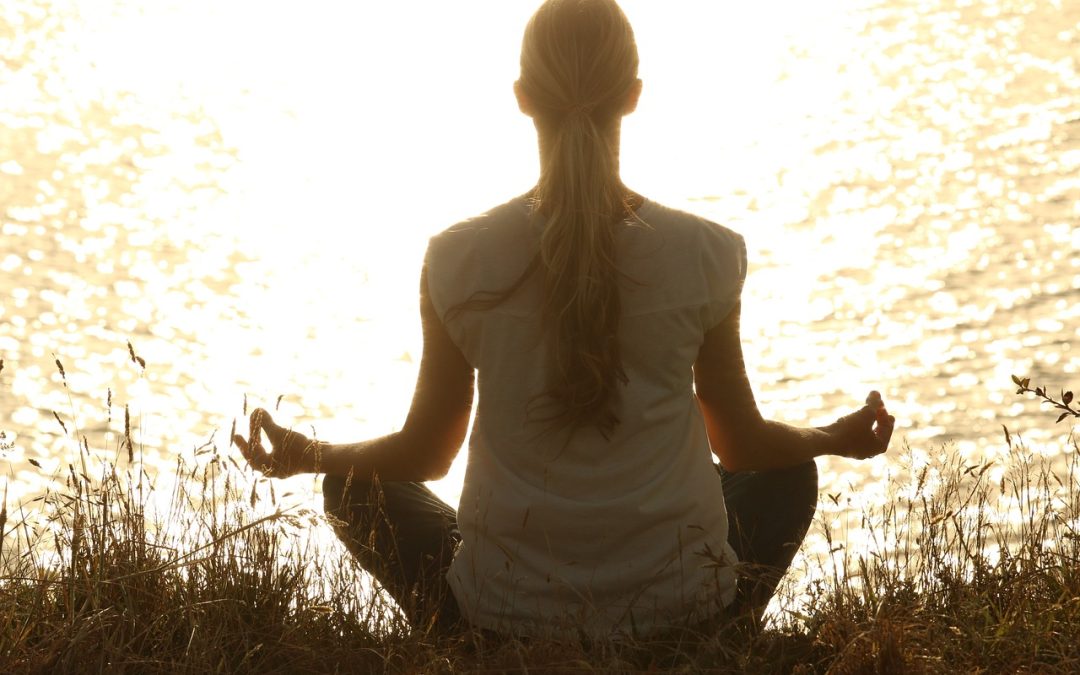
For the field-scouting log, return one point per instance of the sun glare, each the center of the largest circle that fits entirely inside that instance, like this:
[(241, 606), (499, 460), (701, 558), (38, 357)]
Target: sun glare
[(244, 189)]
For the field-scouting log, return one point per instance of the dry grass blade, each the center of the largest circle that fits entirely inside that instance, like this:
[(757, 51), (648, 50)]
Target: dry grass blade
[(135, 358), (127, 435), (3, 522), (967, 566), (60, 421)]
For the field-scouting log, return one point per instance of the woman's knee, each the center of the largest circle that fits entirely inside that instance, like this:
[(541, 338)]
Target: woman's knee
[(801, 477), (342, 491), (797, 486), (343, 494), (333, 489), (803, 483), (808, 474)]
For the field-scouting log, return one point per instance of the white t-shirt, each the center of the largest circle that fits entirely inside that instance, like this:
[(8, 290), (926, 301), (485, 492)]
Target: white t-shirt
[(596, 537)]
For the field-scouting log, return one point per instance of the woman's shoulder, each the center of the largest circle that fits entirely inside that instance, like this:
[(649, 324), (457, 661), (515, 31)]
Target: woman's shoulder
[(495, 219), (686, 223), (493, 239), (691, 232)]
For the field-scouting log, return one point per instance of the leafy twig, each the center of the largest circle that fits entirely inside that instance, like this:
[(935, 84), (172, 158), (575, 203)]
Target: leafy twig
[(1064, 404)]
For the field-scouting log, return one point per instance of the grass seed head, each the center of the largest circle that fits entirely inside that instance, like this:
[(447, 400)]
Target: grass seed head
[(127, 434), (60, 367), (62, 425)]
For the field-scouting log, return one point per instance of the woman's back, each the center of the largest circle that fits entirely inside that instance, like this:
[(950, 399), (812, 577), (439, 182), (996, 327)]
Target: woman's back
[(618, 530), (603, 332)]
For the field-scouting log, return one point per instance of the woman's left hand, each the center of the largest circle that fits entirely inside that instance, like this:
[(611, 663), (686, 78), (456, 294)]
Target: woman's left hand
[(864, 433), (291, 451)]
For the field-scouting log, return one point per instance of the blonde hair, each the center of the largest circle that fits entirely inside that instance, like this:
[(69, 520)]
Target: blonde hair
[(579, 65)]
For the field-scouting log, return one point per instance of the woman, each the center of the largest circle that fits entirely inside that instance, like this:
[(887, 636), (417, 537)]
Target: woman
[(603, 330)]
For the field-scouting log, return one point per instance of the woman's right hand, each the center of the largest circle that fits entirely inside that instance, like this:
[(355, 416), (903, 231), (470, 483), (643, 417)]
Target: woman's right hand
[(864, 433), (292, 452)]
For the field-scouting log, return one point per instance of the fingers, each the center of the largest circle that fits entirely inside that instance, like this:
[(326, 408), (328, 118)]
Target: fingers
[(869, 428), (253, 453), (884, 430), (275, 432), (885, 422), (284, 443), (255, 425), (252, 448), (856, 424)]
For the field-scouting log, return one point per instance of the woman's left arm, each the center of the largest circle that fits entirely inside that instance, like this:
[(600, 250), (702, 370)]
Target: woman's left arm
[(424, 448)]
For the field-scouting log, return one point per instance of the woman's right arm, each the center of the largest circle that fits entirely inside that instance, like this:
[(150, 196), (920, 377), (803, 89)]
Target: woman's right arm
[(424, 447), (743, 440)]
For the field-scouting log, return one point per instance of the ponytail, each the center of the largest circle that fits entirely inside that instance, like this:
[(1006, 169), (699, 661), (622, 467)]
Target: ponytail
[(579, 65), (578, 69)]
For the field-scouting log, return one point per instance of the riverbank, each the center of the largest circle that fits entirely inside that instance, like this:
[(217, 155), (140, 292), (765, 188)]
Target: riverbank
[(967, 567)]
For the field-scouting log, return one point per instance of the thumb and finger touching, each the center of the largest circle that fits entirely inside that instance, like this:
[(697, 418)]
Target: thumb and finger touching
[(868, 430), (882, 422), (252, 448), (287, 451)]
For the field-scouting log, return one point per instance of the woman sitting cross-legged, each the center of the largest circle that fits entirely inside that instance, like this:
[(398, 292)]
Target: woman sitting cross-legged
[(602, 332)]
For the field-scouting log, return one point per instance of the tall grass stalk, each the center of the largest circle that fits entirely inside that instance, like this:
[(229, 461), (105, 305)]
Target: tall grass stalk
[(967, 566)]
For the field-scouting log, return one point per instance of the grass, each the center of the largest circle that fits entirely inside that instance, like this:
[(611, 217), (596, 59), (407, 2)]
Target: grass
[(967, 567)]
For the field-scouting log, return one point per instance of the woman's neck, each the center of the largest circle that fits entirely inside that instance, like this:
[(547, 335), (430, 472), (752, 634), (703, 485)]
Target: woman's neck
[(634, 200)]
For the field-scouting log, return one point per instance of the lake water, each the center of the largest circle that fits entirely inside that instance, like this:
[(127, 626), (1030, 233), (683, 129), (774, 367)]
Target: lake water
[(244, 190)]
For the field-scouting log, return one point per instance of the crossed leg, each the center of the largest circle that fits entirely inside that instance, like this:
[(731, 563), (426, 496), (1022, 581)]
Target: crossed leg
[(405, 536), (769, 513)]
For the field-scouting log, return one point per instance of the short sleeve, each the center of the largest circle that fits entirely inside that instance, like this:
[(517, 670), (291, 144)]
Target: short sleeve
[(436, 282), (723, 261), (450, 267)]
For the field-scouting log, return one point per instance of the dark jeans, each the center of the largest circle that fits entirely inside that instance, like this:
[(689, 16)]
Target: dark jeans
[(405, 537)]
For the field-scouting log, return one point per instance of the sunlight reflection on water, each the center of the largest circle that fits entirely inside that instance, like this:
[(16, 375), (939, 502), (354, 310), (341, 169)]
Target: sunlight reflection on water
[(251, 213)]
